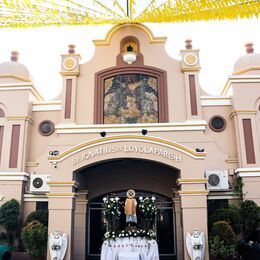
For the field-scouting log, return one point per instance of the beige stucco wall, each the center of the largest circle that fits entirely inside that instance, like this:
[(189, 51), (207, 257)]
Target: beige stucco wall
[(182, 135)]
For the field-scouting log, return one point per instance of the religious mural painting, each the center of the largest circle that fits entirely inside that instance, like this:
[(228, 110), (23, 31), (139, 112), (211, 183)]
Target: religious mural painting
[(131, 98)]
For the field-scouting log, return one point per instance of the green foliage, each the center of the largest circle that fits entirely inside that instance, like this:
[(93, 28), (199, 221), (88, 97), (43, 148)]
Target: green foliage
[(250, 213), (230, 215), (39, 215), (220, 250), (112, 212), (222, 240), (34, 238), (147, 212), (9, 213), (238, 187), (9, 219)]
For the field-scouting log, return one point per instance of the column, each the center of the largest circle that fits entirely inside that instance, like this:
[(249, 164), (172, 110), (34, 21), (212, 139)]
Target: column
[(194, 209), (80, 225), (178, 227), (61, 202)]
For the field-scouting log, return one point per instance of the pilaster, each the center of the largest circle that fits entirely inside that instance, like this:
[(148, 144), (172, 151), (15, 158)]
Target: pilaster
[(61, 202), (190, 67), (193, 196), (80, 225), (70, 70)]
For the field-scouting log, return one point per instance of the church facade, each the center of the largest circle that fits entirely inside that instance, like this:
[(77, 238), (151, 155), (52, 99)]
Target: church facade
[(130, 118)]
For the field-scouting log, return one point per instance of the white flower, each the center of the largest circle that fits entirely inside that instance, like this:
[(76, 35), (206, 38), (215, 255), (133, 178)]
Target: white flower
[(116, 199), (104, 199), (153, 198), (141, 198)]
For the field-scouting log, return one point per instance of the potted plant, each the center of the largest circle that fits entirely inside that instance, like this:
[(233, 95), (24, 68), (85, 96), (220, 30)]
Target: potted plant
[(34, 238)]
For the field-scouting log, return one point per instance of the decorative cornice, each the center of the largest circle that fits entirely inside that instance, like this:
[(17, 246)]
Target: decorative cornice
[(32, 164), (232, 160), (248, 172), (70, 55), (239, 112), (245, 70), (21, 86), (34, 197), (145, 29), (63, 183), (52, 105), (192, 181), (239, 79), (215, 101), (70, 73), (191, 69), (105, 140), (15, 77), (14, 176), (193, 192), (61, 195), (190, 50), (195, 125), (20, 118)]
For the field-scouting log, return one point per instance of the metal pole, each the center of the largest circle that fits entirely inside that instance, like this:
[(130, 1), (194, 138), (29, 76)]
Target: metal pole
[(127, 8)]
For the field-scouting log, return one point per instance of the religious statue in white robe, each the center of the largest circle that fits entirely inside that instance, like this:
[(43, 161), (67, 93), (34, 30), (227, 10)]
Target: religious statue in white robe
[(195, 243)]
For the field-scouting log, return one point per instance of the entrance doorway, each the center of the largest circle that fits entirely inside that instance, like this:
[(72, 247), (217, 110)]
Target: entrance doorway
[(164, 224), (114, 178)]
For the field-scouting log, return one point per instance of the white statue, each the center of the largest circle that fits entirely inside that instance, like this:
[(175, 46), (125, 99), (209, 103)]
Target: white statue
[(195, 243), (58, 245)]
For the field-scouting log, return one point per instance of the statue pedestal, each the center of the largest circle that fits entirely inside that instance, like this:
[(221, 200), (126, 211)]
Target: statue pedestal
[(130, 228), (130, 248)]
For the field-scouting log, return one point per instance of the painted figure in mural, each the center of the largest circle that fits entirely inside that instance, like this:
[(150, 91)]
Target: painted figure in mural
[(195, 243), (130, 207), (131, 98), (58, 245)]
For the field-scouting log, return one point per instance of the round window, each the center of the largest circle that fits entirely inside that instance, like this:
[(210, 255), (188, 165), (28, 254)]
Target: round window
[(217, 123), (46, 127)]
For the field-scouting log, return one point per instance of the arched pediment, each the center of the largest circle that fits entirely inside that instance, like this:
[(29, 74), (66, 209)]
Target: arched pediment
[(125, 145), (145, 29)]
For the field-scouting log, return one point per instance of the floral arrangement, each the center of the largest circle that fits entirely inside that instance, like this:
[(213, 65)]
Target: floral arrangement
[(112, 207), (147, 206), (112, 212), (147, 212), (148, 234)]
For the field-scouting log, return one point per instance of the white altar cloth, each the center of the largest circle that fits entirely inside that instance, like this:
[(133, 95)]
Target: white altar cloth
[(113, 249)]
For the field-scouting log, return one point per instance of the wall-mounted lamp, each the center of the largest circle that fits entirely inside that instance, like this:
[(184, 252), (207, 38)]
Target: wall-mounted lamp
[(54, 153), (198, 150), (103, 134), (129, 56), (144, 132)]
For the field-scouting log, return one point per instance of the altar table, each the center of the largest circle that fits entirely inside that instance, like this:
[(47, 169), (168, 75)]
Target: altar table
[(133, 248)]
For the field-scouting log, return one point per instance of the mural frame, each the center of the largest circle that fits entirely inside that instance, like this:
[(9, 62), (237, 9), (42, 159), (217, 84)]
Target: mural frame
[(160, 75)]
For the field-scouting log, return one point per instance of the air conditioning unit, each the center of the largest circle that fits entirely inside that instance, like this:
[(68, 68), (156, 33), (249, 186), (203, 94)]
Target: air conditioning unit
[(217, 180), (38, 183)]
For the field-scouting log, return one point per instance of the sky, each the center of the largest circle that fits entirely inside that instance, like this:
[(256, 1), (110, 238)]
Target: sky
[(220, 44)]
